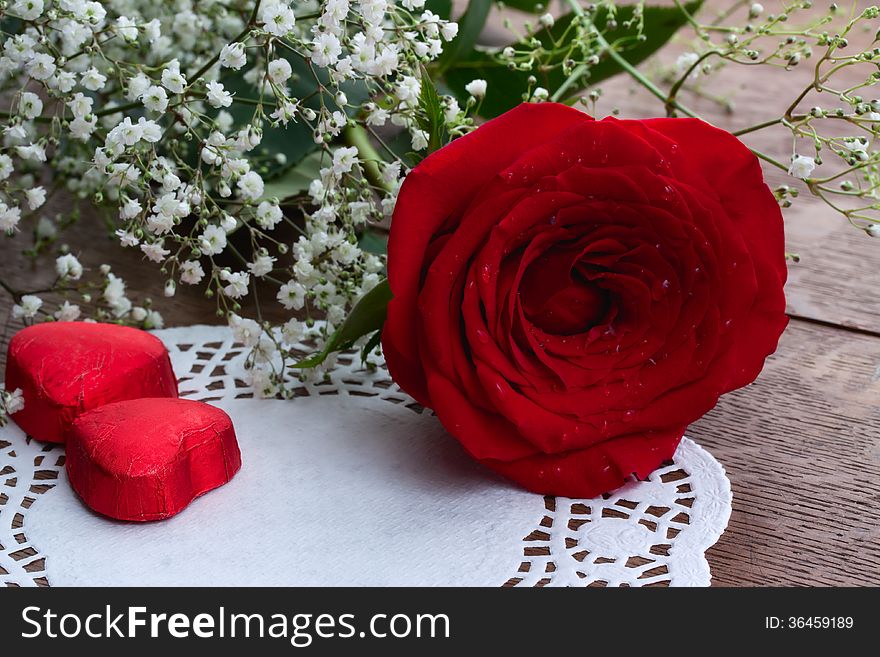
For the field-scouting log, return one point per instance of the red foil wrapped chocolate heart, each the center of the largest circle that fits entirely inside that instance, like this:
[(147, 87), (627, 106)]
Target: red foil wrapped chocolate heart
[(147, 459), (67, 368)]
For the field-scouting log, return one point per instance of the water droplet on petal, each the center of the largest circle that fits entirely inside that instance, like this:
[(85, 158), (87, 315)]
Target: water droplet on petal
[(482, 336), (629, 416), (486, 273)]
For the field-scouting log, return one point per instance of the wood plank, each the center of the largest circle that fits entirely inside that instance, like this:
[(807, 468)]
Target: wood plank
[(801, 446), (802, 449)]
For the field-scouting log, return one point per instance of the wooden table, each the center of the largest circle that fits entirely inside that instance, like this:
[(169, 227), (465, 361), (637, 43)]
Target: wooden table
[(801, 445)]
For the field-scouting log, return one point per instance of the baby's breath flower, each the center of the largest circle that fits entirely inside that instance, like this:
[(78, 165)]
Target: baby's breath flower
[(262, 265), (35, 196), (277, 18), (233, 56), (155, 99), (212, 240), (326, 49), (268, 214), (127, 103), (245, 331), (172, 79), (29, 105), (28, 10), (67, 312), (93, 80), (279, 71), (9, 218), (251, 186), (191, 272), (14, 401), (801, 167), (217, 95), (155, 251), (476, 88), (68, 267), (237, 283), (292, 295), (28, 307)]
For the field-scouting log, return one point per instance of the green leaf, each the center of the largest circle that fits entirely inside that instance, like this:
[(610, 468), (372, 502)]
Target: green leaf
[(506, 88), (367, 316), (371, 344), (296, 180), (443, 8), (469, 27), (374, 241), (285, 146), (430, 116)]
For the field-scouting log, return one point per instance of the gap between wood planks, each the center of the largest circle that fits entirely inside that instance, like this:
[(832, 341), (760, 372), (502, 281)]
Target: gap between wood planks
[(834, 325)]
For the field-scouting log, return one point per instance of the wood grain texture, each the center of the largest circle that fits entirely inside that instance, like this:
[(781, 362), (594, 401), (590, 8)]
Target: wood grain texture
[(802, 449), (801, 446)]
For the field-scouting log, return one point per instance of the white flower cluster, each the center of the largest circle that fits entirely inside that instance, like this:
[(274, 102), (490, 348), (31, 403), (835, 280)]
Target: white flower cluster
[(106, 298), (159, 110), (11, 401)]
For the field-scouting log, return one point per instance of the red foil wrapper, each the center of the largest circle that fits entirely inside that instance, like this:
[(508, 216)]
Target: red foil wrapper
[(67, 368), (147, 459)]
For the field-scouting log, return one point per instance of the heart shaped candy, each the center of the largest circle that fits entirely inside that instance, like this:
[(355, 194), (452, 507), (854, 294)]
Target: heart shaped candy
[(67, 368), (147, 459)]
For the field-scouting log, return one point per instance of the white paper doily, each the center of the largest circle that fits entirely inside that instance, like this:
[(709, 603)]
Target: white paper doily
[(352, 483)]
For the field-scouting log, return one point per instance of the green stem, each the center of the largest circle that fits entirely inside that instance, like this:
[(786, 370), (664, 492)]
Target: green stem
[(356, 136), (759, 126), (769, 160), (651, 87), (38, 119), (574, 77), (244, 33), (120, 108), (629, 68), (673, 92)]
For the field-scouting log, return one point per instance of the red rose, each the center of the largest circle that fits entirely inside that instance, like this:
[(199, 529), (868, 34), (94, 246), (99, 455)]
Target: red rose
[(570, 294)]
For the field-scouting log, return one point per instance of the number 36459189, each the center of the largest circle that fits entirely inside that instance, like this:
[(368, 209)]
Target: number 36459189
[(808, 622)]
